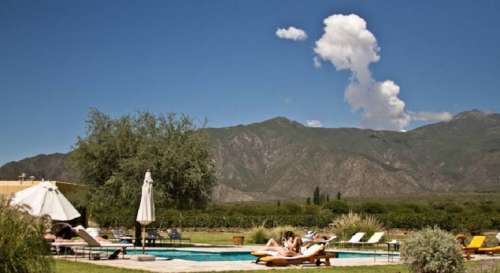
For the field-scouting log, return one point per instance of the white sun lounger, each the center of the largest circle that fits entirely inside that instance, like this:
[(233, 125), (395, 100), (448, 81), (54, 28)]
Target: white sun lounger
[(355, 239), (375, 239), (92, 243)]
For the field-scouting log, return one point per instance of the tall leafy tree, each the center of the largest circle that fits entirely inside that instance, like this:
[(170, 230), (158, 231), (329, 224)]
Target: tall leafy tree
[(317, 196), (115, 153)]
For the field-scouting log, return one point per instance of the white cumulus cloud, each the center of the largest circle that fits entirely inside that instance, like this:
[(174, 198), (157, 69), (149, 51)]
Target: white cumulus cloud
[(316, 62), (291, 33), (349, 45), (314, 123)]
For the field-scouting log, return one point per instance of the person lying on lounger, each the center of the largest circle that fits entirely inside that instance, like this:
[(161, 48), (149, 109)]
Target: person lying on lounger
[(318, 239)]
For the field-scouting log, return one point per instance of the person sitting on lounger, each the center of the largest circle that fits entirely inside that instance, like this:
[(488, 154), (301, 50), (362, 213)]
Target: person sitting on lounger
[(291, 245)]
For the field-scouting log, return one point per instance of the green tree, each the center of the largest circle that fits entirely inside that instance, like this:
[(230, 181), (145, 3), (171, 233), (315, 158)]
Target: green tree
[(115, 153), (317, 196)]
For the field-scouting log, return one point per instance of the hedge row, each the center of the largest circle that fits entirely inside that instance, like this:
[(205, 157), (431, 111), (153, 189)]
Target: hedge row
[(242, 221), (474, 223)]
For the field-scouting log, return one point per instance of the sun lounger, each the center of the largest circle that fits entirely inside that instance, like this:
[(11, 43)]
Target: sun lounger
[(93, 244), (93, 231), (263, 253), (175, 235), (374, 240), (474, 245), (488, 250), (313, 254), (121, 236), (355, 239), (65, 247), (153, 235)]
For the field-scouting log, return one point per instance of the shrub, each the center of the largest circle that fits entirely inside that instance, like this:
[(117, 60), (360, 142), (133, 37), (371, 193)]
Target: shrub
[(347, 224), (278, 232), (293, 208), (337, 206), (432, 250), (477, 223), (312, 210), (373, 208), (259, 235), (22, 247)]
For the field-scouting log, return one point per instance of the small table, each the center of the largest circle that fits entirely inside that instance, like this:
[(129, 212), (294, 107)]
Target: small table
[(392, 247)]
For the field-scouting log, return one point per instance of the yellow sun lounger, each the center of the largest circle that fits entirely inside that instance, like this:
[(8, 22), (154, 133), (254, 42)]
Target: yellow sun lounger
[(474, 245), (313, 254), (489, 250), (263, 253)]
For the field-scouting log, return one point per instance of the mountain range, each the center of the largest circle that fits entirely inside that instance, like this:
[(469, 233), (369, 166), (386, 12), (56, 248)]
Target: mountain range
[(283, 159)]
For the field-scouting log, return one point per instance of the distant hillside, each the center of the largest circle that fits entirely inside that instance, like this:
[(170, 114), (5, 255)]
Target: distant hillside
[(50, 166), (280, 158)]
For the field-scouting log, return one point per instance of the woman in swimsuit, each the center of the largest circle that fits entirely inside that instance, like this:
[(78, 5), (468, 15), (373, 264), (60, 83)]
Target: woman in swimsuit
[(291, 245)]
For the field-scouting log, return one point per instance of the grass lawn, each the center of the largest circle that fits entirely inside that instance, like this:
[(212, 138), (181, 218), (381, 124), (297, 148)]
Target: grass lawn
[(76, 267), (213, 237)]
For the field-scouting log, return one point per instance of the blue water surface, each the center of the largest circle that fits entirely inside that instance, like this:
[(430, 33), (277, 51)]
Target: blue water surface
[(229, 256)]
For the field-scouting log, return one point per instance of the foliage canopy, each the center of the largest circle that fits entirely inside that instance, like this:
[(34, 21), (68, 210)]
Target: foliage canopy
[(114, 155)]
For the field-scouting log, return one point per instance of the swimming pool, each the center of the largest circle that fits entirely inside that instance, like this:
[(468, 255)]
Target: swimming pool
[(197, 255), (192, 255)]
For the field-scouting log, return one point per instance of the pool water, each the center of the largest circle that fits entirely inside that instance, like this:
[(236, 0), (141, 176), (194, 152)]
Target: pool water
[(341, 255), (198, 255), (229, 256)]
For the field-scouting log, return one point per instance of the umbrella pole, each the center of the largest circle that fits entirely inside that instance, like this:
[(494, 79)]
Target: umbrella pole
[(143, 238)]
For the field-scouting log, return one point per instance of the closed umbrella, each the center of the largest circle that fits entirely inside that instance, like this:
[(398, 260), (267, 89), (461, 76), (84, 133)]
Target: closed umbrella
[(46, 199), (146, 213)]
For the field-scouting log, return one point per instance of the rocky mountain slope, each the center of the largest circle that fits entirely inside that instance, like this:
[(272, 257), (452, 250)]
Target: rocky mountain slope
[(280, 158)]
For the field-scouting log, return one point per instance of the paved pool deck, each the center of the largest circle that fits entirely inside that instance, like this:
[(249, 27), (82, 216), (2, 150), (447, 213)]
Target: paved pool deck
[(178, 265), (175, 265)]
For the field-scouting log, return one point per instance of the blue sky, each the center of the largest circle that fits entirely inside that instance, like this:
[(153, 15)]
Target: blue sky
[(221, 60)]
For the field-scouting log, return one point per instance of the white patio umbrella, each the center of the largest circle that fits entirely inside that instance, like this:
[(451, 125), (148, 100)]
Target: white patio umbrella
[(46, 199), (146, 213)]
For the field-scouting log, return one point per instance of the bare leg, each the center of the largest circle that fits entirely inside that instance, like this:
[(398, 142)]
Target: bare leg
[(272, 243)]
